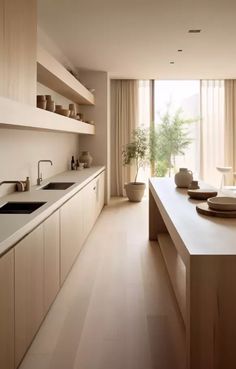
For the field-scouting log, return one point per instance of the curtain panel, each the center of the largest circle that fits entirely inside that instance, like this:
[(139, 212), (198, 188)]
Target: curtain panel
[(230, 127), (124, 116), (212, 151)]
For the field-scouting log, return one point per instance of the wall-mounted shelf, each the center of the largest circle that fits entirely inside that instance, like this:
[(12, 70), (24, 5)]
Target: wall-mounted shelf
[(55, 76), (17, 115)]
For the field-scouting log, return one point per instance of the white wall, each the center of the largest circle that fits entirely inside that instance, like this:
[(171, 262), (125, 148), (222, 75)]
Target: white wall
[(20, 151), (99, 144)]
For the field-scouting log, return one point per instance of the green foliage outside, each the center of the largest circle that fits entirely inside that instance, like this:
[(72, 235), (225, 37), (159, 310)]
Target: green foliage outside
[(169, 139), (137, 150), (159, 145)]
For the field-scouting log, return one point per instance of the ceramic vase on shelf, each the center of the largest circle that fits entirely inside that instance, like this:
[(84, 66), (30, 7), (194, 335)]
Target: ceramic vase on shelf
[(183, 178), (86, 158)]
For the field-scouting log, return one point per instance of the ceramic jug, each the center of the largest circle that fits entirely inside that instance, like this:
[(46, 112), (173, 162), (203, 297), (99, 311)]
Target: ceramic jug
[(183, 178), (86, 158)]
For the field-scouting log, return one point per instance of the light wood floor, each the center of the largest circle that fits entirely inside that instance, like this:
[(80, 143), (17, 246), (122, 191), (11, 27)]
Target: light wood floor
[(116, 309)]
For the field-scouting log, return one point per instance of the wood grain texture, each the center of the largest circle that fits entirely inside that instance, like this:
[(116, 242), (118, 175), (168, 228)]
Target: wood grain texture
[(51, 259), (17, 115), (156, 223), (29, 290), (71, 233), (117, 308), (210, 293), (176, 270), (7, 311), (212, 303), (55, 76), (18, 54)]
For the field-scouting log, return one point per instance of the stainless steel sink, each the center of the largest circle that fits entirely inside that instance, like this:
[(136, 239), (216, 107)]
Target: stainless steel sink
[(20, 207), (57, 186)]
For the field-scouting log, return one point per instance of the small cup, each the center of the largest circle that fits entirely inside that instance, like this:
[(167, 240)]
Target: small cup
[(50, 106), (49, 98), (41, 97), (81, 166), (72, 110), (42, 104), (194, 185)]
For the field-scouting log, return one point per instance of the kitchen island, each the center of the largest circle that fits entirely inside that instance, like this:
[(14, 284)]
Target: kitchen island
[(200, 256)]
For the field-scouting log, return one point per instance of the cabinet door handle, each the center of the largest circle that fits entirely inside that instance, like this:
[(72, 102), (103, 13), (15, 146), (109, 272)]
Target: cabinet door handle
[(94, 188)]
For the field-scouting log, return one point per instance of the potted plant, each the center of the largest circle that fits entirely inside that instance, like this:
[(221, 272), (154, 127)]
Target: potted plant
[(136, 152)]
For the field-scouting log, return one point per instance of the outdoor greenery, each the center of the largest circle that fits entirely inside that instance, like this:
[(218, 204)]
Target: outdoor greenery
[(169, 139), (137, 150), (160, 144)]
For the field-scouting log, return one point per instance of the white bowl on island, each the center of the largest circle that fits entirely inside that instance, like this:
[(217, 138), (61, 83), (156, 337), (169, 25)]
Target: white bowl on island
[(223, 171)]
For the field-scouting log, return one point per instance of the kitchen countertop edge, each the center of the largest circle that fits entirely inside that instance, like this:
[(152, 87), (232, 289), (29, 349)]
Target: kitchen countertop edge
[(58, 198)]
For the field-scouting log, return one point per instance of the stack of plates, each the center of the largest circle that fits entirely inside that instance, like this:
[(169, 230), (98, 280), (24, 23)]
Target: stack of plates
[(224, 207)]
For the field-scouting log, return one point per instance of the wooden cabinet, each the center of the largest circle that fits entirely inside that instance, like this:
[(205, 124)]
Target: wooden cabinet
[(71, 228), (18, 29), (30, 274), (100, 193), (78, 216), (51, 259), (29, 290), (89, 204), (7, 311), (36, 281)]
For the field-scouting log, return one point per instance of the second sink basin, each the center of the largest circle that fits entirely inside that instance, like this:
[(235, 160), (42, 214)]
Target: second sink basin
[(20, 207), (57, 186)]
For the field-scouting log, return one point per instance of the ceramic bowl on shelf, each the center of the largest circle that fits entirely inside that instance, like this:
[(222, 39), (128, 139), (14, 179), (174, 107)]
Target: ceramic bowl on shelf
[(65, 112), (222, 203)]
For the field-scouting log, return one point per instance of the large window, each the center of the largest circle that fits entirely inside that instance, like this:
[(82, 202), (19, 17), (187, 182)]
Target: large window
[(182, 98), (198, 108)]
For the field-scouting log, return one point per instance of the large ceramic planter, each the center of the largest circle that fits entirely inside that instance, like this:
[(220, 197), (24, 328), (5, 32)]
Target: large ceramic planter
[(135, 191)]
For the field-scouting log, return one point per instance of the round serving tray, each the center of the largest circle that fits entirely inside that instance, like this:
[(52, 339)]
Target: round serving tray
[(202, 194), (205, 210)]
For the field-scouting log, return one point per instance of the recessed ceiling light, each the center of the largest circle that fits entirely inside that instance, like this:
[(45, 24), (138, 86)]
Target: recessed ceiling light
[(194, 30), (172, 62), (179, 50)]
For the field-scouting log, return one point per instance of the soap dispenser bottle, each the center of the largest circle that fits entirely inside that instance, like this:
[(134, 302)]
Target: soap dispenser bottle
[(72, 165), (27, 184)]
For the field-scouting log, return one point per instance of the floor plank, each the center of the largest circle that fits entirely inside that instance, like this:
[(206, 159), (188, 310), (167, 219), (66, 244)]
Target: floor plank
[(116, 309)]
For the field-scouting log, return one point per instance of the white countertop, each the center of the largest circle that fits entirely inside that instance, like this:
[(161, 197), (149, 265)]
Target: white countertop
[(14, 227), (201, 234)]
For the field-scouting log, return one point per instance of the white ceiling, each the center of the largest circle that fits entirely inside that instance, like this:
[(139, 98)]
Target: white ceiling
[(139, 38)]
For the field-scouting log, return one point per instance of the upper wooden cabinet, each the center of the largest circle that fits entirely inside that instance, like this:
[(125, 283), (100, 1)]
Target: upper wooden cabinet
[(55, 76), (18, 40)]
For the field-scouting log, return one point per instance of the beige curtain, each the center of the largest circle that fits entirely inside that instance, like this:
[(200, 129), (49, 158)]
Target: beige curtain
[(124, 115), (212, 130), (230, 127)]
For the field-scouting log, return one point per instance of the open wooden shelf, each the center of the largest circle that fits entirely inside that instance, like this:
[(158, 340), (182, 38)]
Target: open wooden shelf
[(55, 76), (17, 115)]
